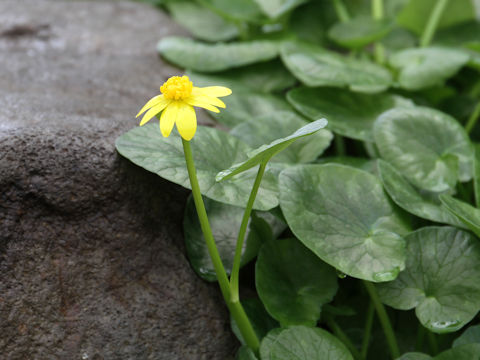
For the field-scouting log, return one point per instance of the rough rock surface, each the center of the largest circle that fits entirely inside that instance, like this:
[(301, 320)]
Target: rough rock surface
[(92, 262)]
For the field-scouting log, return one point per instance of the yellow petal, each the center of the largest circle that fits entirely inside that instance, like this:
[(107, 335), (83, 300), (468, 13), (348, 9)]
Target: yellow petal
[(216, 91), (186, 121), (167, 120), (195, 101), (150, 103), (154, 111)]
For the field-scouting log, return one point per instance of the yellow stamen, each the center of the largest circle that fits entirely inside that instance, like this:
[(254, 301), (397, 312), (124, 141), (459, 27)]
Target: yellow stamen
[(177, 88)]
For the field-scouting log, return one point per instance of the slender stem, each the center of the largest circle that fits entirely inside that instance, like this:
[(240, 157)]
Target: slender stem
[(420, 337), (378, 14), (341, 10), (235, 307), (339, 143), (384, 320), (234, 278), (432, 342), (432, 23), (338, 332), (368, 329), (472, 120)]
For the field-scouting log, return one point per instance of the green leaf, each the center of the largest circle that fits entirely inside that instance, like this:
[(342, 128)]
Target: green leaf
[(236, 10), (420, 203), (213, 151), (430, 148), (461, 34), (224, 221), (360, 31), (343, 215), (415, 356), (265, 129), (267, 343), (275, 8), (476, 174), (198, 56), (245, 353), (201, 22), (304, 343), (440, 279), (368, 165), (464, 352), (349, 114), (469, 336), (260, 319), (469, 215), (315, 66), (265, 152), (414, 16), (425, 67), (293, 283), (265, 77), (311, 21)]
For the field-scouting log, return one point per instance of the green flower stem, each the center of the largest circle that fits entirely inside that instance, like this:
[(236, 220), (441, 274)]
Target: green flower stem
[(472, 120), (377, 14), (234, 278), (235, 307), (384, 320), (338, 332), (368, 329), (341, 10), (432, 342), (432, 23), (420, 338)]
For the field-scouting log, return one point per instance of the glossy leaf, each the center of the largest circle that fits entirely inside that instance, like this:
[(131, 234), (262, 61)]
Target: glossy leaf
[(420, 203), (265, 129), (304, 343), (349, 114), (265, 152), (224, 221), (213, 151), (236, 10), (245, 353), (359, 31), (293, 282), (265, 77), (267, 343), (469, 215), (442, 272), (469, 336), (425, 67), (428, 147), (315, 66), (275, 8), (260, 319), (343, 215), (198, 56), (202, 22)]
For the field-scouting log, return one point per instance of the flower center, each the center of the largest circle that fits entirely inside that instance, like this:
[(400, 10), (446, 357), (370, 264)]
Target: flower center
[(177, 88)]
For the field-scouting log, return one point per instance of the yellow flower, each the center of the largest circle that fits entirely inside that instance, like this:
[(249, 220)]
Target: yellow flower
[(177, 99)]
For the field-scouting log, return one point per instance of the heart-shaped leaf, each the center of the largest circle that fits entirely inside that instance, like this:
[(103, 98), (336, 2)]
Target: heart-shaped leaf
[(304, 343), (343, 215), (469, 336), (422, 204), (425, 67), (265, 77), (315, 66), (194, 55), (213, 151), (260, 319), (469, 215), (430, 148), (442, 271), (360, 31), (265, 152), (267, 128), (203, 23), (275, 8), (349, 114), (224, 221), (293, 283)]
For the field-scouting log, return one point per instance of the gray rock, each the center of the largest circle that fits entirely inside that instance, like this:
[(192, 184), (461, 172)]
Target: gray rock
[(92, 262)]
